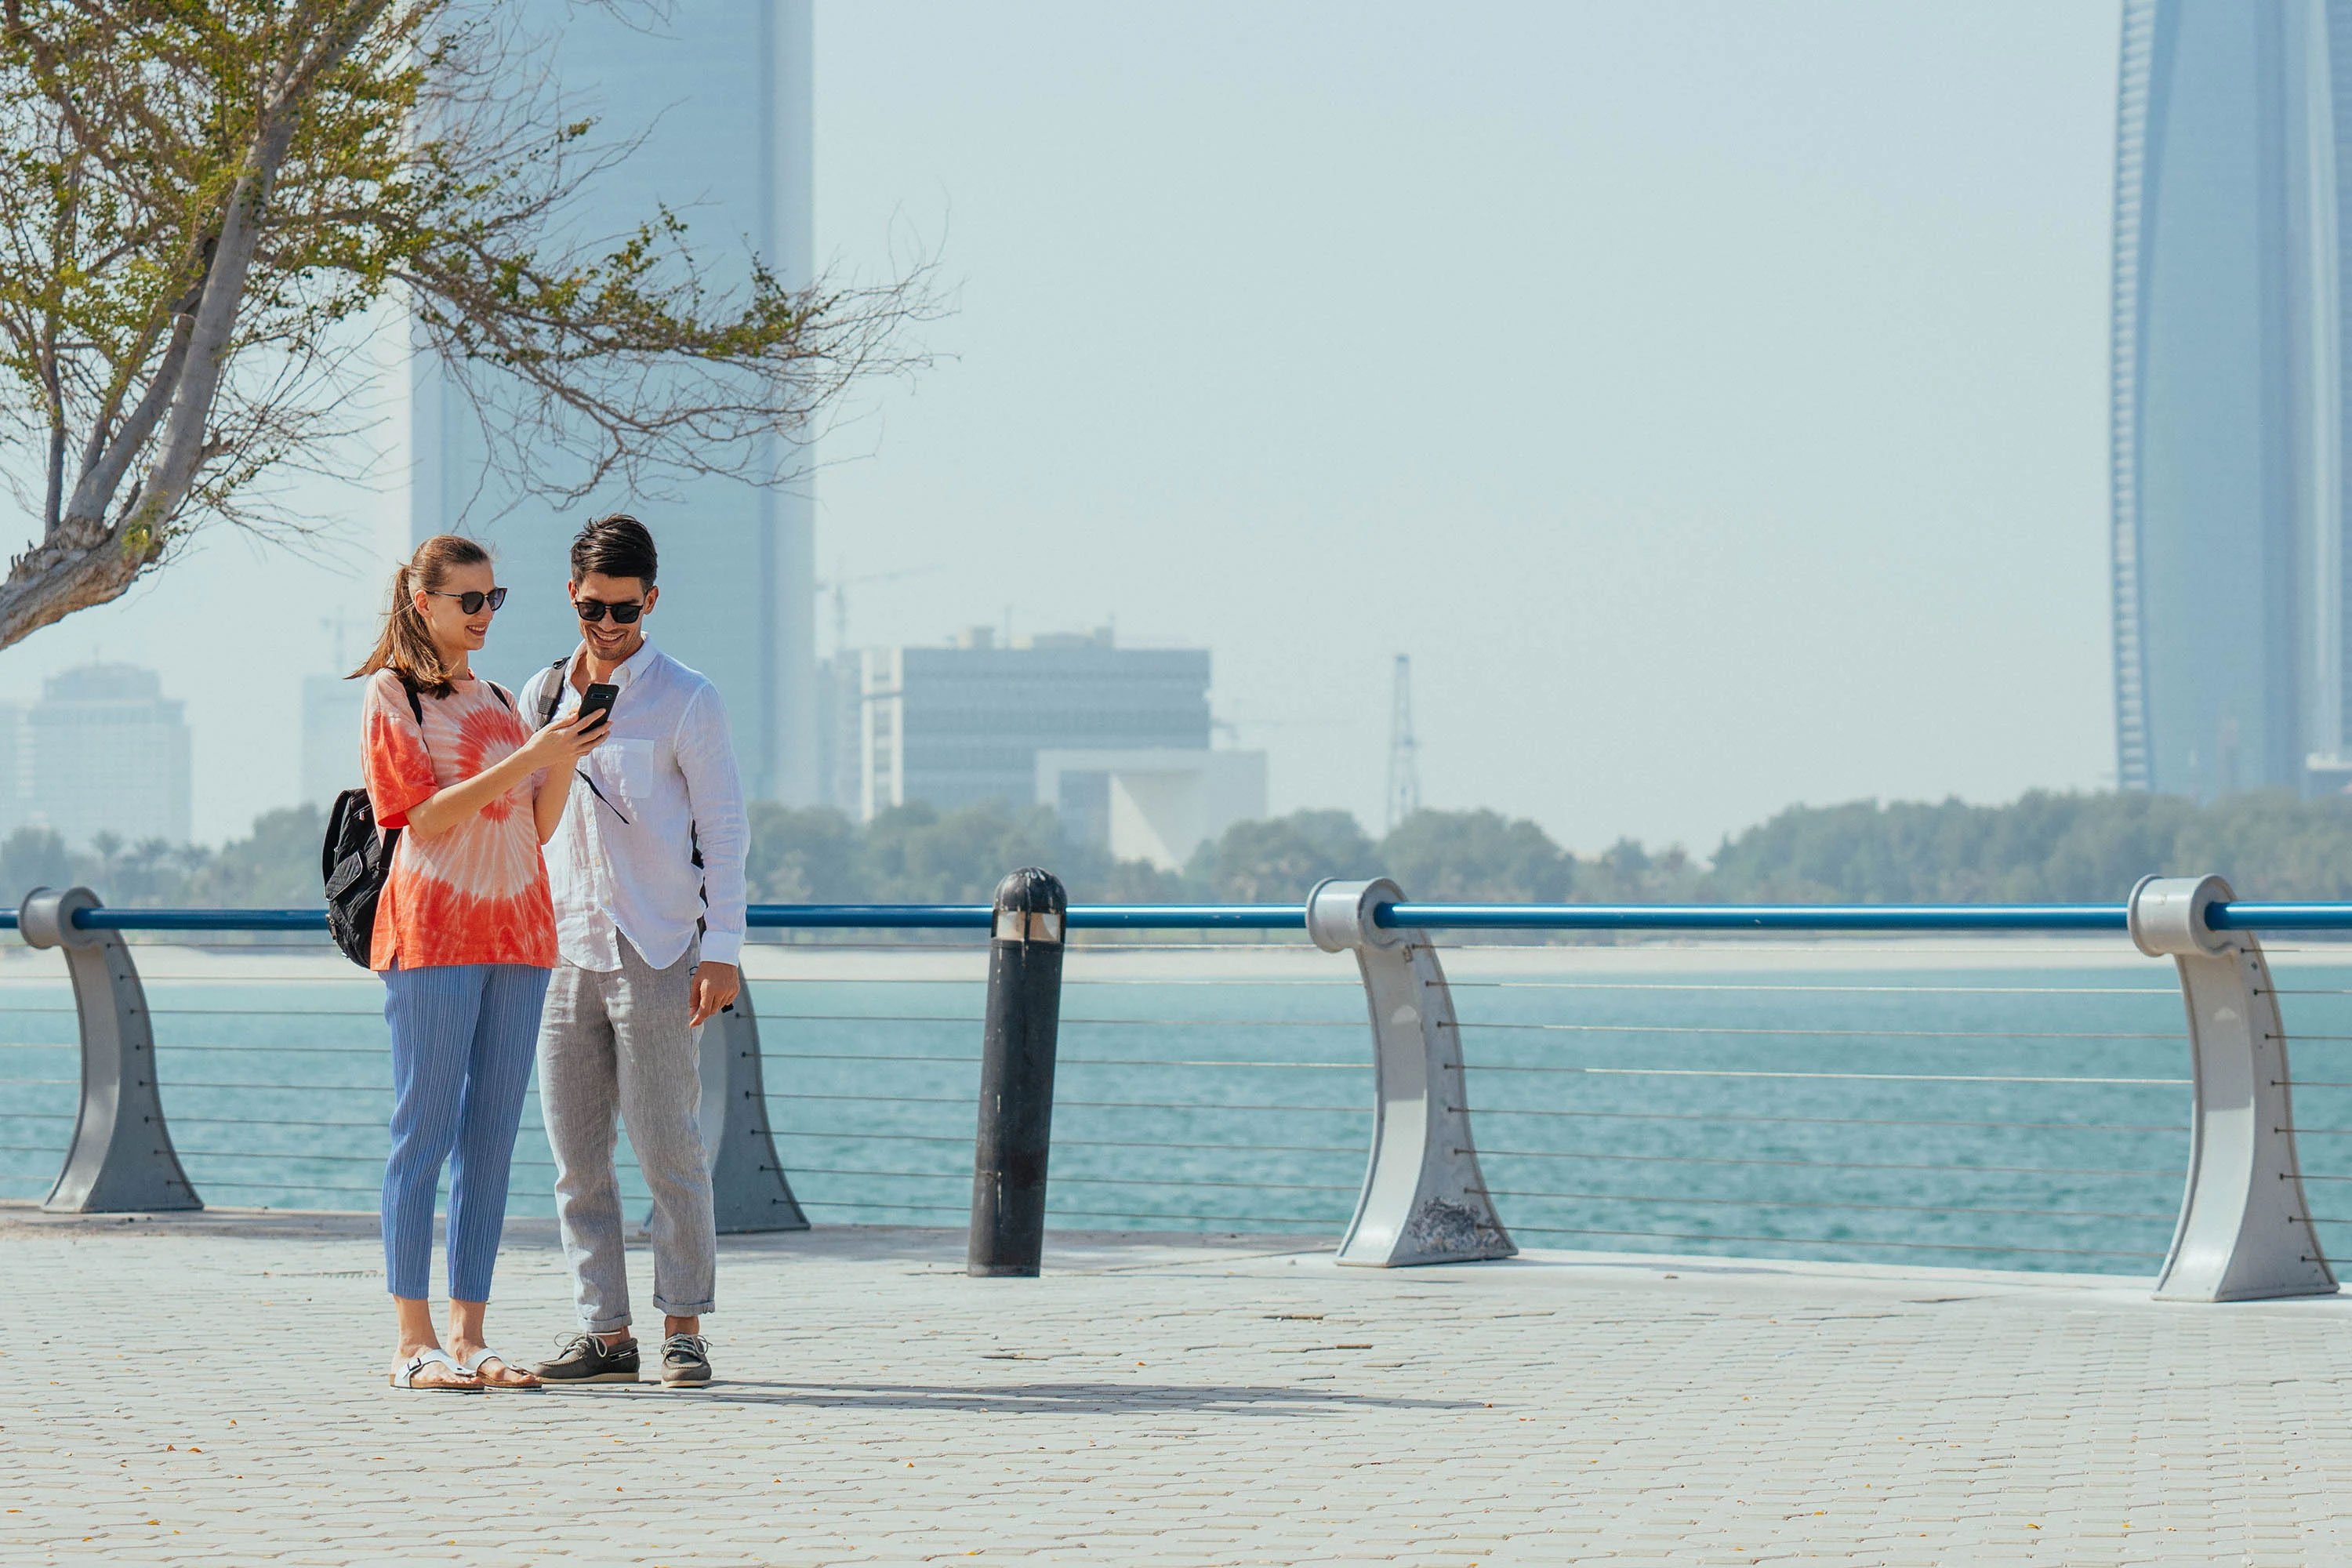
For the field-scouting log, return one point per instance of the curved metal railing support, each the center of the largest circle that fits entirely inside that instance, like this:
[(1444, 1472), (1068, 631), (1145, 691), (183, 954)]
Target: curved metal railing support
[(748, 1191), (2244, 1233), (1423, 1199), (121, 1159)]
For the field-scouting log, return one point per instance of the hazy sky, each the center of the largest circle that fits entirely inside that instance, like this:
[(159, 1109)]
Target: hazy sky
[(1710, 398)]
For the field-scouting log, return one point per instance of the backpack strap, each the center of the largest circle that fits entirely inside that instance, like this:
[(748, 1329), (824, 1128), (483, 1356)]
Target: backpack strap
[(554, 693), (547, 716), (416, 703)]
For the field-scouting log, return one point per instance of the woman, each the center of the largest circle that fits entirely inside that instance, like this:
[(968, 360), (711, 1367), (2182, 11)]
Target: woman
[(464, 940)]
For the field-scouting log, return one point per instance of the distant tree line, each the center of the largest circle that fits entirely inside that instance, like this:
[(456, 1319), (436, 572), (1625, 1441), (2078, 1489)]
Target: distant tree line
[(2043, 847), (273, 867)]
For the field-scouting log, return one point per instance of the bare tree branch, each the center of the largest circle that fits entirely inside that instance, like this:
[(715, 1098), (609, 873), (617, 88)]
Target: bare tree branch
[(200, 203)]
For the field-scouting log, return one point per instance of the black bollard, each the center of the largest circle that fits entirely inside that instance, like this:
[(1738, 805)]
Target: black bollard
[(1016, 1077)]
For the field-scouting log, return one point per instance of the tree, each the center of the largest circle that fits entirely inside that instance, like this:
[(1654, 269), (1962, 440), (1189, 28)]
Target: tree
[(1130, 882), (918, 855), (2042, 847), (107, 847), (200, 204), (149, 873), (33, 858), (1278, 860), (1442, 856), (273, 867), (804, 855)]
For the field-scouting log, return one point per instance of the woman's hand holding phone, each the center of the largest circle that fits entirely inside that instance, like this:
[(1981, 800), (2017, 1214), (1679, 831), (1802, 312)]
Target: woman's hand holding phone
[(567, 740)]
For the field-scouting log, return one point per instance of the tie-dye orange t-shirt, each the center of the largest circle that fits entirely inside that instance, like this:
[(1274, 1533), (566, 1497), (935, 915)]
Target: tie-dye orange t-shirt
[(478, 892)]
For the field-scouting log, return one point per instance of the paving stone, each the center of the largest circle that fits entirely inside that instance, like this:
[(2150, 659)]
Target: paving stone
[(1560, 1407)]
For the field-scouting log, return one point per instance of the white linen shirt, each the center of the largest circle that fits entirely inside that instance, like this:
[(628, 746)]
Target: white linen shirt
[(668, 769)]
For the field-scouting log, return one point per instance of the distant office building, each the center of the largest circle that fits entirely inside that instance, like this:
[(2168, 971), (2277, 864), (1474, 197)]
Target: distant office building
[(331, 737), (1117, 740), (841, 729), (16, 768), (2231, 385), (720, 91), (109, 754)]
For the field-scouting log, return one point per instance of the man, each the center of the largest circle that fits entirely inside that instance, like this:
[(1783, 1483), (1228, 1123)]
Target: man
[(647, 871)]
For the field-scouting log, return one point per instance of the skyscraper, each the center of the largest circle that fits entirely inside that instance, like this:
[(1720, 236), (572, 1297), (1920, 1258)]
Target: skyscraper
[(2230, 379), (109, 754), (16, 768), (720, 92), (331, 737)]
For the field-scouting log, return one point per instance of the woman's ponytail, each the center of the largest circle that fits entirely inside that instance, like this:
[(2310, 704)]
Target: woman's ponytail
[(406, 644)]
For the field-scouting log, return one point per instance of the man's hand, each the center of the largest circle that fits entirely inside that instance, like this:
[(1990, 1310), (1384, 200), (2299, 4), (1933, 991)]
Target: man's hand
[(715, 985)]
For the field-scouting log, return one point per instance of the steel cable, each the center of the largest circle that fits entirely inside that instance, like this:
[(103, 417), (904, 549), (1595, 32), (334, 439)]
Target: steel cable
[(1822, 1120), (1819, 1203), (2173, 1037), (1820, 1164), (1834, 1241), (1854, 1077)]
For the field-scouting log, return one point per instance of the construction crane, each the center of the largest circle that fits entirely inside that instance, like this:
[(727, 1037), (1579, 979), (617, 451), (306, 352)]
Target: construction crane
[(839, 587), (1404, 765)]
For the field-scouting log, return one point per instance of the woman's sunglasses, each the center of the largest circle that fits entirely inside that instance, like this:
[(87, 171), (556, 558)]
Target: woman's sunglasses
[(594, 610), (472, 601)]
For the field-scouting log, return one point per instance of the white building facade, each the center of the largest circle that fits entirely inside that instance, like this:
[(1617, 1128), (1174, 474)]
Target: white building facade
[(1155, 806)]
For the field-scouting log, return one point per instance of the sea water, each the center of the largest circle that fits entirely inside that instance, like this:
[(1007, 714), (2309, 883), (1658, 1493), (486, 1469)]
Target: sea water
[(1991, 1104)]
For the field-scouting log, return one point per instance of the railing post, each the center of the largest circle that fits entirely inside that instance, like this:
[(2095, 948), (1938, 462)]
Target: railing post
[(121, 1159), (1424, 1200), (748, 1190), (2244, 1233), (1016, 1077)]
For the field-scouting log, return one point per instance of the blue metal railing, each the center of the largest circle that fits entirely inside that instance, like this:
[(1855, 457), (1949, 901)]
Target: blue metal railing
[(112, 918), (2280, 916), (1706, 1107), (1755, 917), (1882, 918)]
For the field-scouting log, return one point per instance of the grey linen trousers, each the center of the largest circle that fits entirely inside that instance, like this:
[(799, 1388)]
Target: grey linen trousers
[(615, 1049)]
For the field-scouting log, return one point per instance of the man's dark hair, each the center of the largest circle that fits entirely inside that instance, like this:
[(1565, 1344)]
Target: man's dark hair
[(614, 546)]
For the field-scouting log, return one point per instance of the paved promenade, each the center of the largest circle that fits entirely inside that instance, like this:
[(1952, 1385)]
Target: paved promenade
[(211, 1390)]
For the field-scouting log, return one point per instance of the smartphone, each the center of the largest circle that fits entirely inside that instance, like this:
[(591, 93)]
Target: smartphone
[(598, 699)]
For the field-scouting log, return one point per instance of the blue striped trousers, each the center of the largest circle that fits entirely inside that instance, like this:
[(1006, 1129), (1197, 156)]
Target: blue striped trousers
[(463, 1036)]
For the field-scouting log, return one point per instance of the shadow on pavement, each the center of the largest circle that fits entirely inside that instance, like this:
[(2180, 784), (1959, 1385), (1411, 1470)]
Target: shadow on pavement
[(1039, 1398)]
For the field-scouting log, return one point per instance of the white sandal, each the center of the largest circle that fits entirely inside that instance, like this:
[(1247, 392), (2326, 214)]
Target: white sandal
[(407, 1376), (472, 1367)]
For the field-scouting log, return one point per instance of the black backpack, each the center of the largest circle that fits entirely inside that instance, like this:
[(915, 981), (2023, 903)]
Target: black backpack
[(357, 857)]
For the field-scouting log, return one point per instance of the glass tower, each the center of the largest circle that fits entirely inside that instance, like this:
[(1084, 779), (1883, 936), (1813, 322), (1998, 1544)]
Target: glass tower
[(2229, 384), (720, 91)]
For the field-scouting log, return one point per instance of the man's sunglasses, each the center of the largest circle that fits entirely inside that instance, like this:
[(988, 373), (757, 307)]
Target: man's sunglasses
[(472, 601), (594, 610)]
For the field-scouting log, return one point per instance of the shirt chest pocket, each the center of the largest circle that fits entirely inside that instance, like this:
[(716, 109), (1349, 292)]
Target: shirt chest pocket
[(631, 773)]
